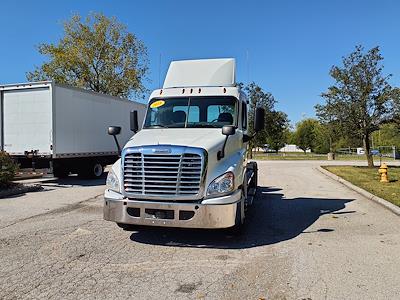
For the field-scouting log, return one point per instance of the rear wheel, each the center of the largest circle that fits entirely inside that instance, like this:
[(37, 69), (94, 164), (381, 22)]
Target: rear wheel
[(60, 171), (97, 170), (92, 170)]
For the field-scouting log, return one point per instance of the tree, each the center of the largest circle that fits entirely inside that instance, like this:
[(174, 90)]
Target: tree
[(323, 139), (257, 98), (96, 54), (277, 129), (396, 108), (305, 135), (8, 168), (361, 98), (387, 135)]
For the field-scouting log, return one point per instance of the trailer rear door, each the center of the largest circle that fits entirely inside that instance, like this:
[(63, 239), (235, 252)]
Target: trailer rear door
[(27, 121)]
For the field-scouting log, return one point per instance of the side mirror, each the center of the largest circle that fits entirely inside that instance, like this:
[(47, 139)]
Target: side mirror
[(114, 130), (228, 130), (259, 119), (134, 121)]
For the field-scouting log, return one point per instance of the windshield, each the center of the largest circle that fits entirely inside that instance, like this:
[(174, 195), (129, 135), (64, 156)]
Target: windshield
[(211, 112)]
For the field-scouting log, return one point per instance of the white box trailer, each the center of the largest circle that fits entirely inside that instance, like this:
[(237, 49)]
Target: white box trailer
[(62, 127)]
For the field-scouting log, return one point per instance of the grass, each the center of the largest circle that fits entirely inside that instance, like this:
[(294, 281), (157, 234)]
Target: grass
[(368, 179), (307, 156), (281, 156)]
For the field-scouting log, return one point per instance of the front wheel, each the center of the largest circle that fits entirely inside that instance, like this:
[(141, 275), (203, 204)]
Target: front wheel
[(239, 219), (254, 180), (126, 227)]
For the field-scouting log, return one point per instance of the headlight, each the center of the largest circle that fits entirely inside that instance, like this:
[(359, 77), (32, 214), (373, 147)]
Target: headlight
[(222, 184), (112, 181)]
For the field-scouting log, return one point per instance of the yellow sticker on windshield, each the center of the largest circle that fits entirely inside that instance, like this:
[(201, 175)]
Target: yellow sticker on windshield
[(157, 104)]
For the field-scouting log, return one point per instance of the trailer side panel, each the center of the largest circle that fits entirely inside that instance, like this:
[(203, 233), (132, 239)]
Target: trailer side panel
[(1, 121), (82, 119)]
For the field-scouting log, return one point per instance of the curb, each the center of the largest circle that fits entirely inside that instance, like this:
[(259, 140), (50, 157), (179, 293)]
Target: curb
[(393, 208)]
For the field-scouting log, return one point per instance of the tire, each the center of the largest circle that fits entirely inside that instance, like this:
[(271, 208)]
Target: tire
[(93, 170), (254, 181), (255, 177), (60, 172), (240, 219), (97, 170)]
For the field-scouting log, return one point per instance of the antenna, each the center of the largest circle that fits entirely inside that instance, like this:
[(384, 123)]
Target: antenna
[(159, 71), (247, 66)]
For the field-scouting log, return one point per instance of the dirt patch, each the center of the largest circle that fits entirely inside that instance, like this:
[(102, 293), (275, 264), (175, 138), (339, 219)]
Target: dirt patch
[(187, 288), (222, 257)]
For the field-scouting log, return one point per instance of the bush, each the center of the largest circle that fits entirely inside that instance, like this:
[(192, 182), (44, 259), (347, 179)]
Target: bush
[(8, 168)]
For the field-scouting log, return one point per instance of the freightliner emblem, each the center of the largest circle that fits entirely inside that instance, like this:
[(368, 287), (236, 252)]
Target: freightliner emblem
[(162, 150)]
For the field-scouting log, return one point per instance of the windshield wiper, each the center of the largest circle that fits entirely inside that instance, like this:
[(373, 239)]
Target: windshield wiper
[(157, 125), (203, 126)]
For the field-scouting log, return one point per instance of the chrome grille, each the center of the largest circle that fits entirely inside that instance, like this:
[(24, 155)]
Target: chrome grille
[(174, 174)]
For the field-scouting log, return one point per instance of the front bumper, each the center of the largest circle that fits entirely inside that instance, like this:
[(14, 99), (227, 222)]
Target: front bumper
[(212, 213)]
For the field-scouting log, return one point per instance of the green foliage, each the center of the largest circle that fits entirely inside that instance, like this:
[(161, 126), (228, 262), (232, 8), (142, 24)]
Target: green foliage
[(8, 168), (96, 54), (291, 137), (306, 133), (387, 135), (277, 129), (361, 98), (396, 108), (346, 142), (258, 98), (322, 139), (276, 132)]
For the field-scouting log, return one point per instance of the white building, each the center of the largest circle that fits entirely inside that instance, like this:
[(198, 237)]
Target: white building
[(292, 148)]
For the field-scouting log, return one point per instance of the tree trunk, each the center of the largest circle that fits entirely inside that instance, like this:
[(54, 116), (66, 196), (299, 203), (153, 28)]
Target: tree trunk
[(367, 150)]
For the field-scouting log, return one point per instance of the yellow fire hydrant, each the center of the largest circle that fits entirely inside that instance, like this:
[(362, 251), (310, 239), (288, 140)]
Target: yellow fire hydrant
[(383, 171)]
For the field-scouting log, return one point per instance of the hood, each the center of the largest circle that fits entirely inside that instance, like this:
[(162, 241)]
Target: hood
[(206, 138)]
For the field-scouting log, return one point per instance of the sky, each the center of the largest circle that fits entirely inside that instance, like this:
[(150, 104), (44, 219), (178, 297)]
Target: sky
[(286, 47)]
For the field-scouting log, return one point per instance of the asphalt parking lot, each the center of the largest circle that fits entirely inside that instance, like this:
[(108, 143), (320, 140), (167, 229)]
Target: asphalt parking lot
[(307, 237)]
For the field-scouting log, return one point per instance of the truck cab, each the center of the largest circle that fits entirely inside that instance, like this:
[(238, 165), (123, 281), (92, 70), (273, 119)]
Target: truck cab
[(187, 166)]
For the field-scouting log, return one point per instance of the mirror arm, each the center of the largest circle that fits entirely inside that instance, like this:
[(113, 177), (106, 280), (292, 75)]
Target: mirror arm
[(118, 146), (221, 153)]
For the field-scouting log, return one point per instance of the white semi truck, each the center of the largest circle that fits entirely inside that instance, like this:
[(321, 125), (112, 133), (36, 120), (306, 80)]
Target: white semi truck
[(61, 128), (188, 166)]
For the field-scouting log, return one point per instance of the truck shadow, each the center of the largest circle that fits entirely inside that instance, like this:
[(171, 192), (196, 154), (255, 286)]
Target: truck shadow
[(72, 180), (272, 219)]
